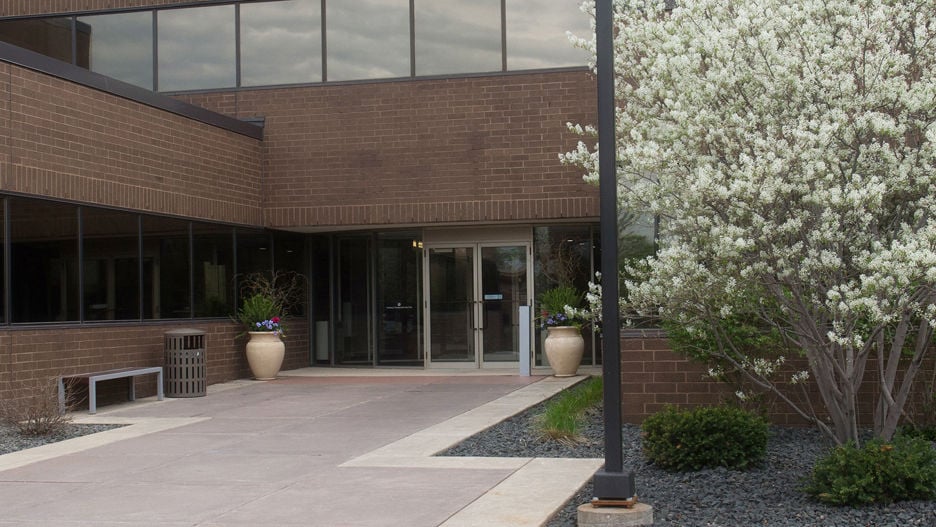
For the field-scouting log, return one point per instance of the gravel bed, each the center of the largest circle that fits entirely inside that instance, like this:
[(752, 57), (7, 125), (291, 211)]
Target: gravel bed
[(11, 440), (767, 495)]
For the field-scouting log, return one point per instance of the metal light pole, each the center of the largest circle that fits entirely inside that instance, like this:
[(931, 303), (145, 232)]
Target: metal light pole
[(611, 483)]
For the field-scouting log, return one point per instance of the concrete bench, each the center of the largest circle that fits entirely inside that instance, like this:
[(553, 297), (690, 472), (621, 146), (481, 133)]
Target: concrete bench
[(94, 377)]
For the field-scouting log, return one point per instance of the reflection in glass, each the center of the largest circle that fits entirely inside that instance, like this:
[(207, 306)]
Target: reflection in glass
[(2, 256), (111, 264), (121, 46), (253, 252), (166, 268), (50, 36), (214, 269), (398, 293), (320, 282), (451, 305), (196, 48), (563, 255), (352, 326), (289, 257), (504, 290), (453, 36), (536, 33), (44, 261), (281, 42), (368, 39)]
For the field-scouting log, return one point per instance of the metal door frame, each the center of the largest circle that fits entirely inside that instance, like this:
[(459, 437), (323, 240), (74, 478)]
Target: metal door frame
[(477, 337)]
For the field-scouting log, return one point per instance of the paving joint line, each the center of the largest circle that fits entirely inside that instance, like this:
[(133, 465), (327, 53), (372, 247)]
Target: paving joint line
[(530, 494)]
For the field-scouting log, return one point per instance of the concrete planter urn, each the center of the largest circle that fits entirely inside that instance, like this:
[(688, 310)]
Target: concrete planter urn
[(564, 347), (265, 352)]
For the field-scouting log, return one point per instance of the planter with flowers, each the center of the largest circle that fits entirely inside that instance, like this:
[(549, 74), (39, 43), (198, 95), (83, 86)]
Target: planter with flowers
[(561, 317), (265, 302), (265, 349)]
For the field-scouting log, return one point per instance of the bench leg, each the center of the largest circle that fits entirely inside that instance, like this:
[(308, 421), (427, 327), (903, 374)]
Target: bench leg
[(132, 393), (61, 395), (92, 395), (159, 385)]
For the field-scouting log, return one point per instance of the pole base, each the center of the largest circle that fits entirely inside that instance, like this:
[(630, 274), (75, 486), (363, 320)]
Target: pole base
[(614, 485), (640, 514)]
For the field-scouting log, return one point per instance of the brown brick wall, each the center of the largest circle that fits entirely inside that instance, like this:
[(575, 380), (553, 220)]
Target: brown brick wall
[(653, 376), (475, 149), (30, 354), (63, 140), (39, 7)]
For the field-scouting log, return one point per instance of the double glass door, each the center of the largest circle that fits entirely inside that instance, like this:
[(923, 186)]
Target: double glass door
[(474, 292)]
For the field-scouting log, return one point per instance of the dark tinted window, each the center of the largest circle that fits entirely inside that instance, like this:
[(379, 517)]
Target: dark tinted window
[(44, 261), (111, 265), (213, 270), (166, 292)]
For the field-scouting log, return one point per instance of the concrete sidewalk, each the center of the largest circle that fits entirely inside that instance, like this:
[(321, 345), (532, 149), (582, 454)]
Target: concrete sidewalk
[(312, 448)]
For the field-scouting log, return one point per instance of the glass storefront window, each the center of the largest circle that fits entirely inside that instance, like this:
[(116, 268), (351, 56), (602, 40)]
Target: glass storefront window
[(368, 39), (281, 42), (536, 33), (120, 46), (213, 272), (453, 36), (399, 285), (563, 256), (320, 298), (196, 48), (111, 264), (166, 275), (354, 303), (289, 259), (43, 261), (254, 254)]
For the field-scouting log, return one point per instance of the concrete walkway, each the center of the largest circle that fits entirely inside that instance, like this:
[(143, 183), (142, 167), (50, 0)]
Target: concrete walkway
[(315, 447)]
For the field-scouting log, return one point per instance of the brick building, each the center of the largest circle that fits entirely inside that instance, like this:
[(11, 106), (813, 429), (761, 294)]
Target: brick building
[(401, 154)]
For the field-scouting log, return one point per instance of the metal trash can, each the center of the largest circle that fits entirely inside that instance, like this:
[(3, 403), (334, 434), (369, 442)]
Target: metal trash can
[(185, 374)]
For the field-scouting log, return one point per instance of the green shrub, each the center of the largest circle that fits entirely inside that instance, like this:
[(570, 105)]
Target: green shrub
[(715, 436), (879, 472), (555, 299), (564, 414), (927, 432)]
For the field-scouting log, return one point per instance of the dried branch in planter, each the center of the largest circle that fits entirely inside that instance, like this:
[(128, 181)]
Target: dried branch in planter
[(38, 413), (285, 288)]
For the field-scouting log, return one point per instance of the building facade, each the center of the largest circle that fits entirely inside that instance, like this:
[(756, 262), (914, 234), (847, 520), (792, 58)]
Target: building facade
[(403, 155)]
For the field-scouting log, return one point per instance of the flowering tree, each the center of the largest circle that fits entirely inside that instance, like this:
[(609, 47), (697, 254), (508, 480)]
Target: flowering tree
[(789, 150)]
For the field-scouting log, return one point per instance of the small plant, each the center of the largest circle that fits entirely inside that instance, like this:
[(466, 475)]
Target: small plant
[(260, 313), (266, 299), (878, 472), (39, 414), (565, 413), (558, 307), (714, 436)]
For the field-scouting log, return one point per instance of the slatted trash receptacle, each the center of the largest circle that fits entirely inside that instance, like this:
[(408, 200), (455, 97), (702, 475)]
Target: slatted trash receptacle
[(185, 363)]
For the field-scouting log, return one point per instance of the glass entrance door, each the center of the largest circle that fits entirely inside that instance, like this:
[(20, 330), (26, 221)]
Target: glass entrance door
[(474, 295)]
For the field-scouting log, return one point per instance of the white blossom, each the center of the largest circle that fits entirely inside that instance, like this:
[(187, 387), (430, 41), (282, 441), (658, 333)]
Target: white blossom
[(790, 151)]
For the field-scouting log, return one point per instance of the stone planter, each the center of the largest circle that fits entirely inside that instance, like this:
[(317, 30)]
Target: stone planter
[(265, 352), (564, 347)]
